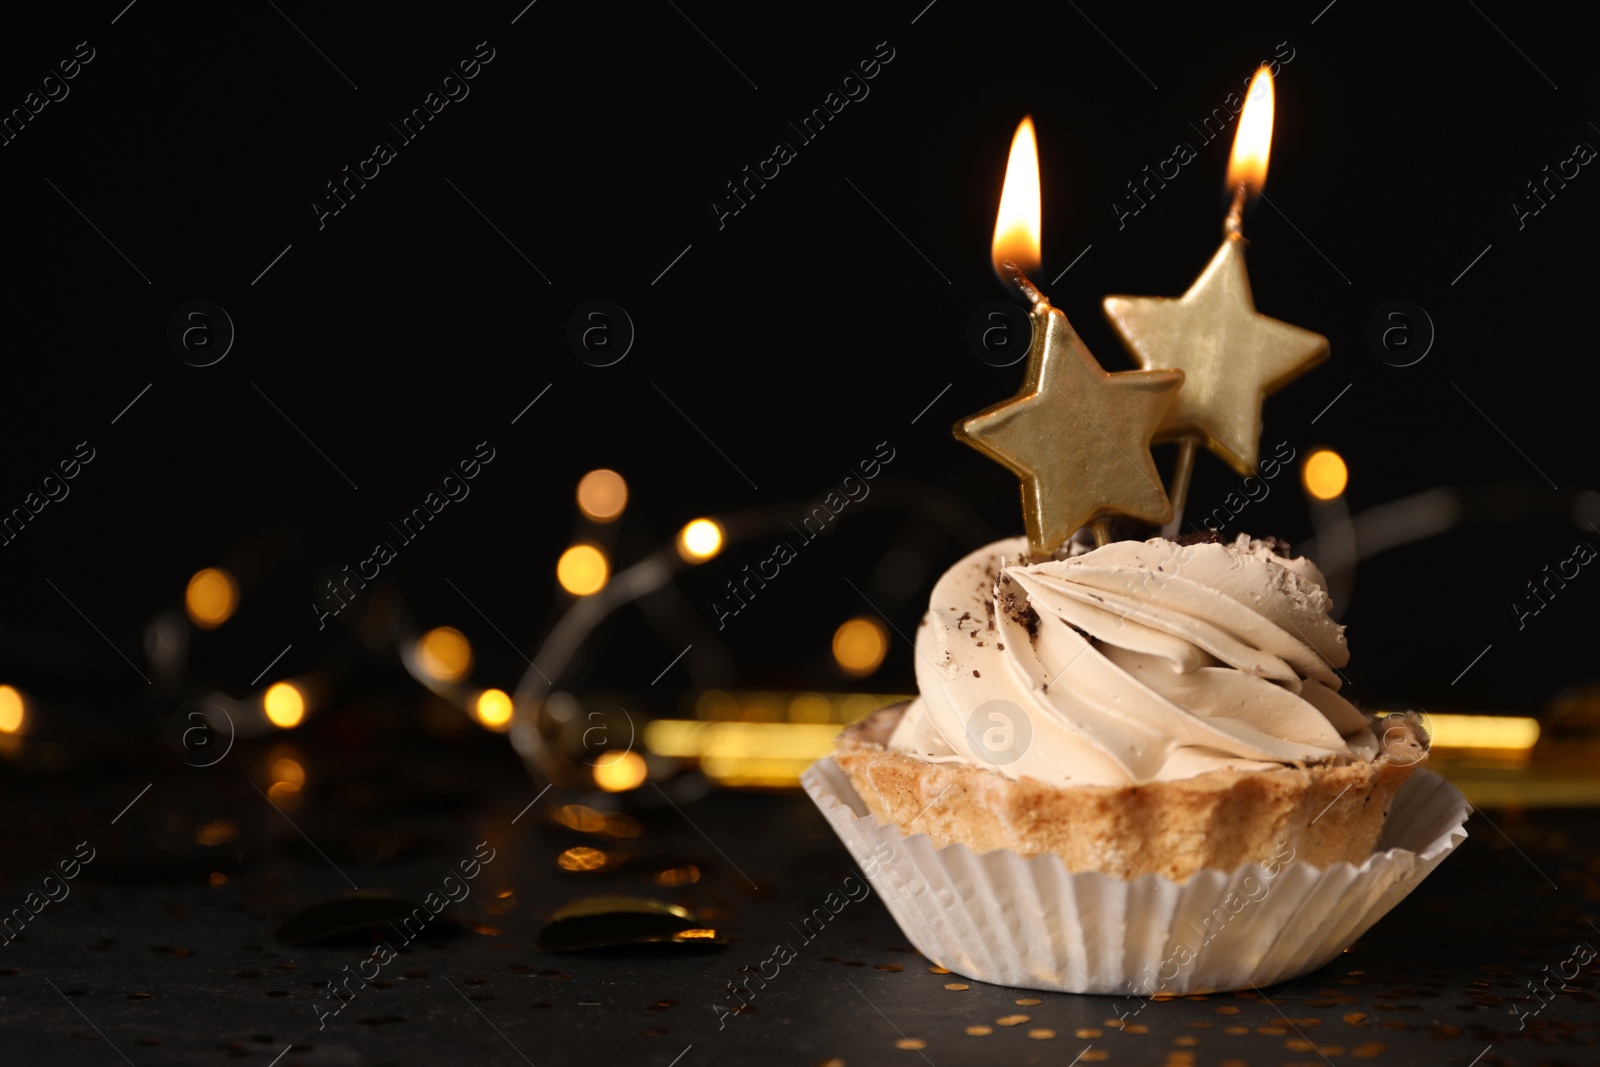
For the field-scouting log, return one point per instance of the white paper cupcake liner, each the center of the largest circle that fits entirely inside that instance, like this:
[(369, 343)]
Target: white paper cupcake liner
[(1026, 922)]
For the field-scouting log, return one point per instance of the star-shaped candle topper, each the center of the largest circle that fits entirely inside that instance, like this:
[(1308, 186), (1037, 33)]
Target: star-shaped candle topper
[(1077, 436), (1232, 356)]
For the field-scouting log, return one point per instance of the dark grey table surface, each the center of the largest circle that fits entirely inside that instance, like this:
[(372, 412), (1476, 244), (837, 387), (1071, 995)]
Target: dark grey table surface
[(164, 951)]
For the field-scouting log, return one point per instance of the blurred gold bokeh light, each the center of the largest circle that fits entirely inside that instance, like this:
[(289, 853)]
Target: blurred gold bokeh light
[(1325, 474), (493, 709), (445, 654), (617, 772), (284, 705), (13, 710), (859, 646), (211, 598), (582, 569), (699, 541), (602, 495)]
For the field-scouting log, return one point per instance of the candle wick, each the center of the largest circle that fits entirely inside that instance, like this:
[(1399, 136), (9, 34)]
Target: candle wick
[(1233, 225), (1029, 290)]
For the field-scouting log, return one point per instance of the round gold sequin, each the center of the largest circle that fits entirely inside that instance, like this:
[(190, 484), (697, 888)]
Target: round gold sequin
[(1227, 1009), (1028, 1002), (888, 967), (1236, 1030), (1041, 1034), (938, 970), (1368, 1050), (911, 1044), (1136, 1028), (1094, 1055), (1011, 1020), (979, 1031), (1356, 1018), (1186, 1041), (1088, 1032), (957, 986)]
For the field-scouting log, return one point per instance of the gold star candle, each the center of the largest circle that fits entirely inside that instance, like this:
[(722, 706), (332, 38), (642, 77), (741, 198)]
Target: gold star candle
[(1076, 436), (1232, 356)]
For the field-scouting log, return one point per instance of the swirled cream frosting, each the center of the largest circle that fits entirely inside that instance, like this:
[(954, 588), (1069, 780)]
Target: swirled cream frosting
[(1138, 661)]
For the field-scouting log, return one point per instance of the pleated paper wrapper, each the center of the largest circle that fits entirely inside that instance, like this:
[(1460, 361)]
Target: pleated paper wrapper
[(1028, 922)]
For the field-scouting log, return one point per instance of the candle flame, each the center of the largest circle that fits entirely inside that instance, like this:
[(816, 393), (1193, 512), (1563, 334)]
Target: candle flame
[(1016, 225), (1252, 143)]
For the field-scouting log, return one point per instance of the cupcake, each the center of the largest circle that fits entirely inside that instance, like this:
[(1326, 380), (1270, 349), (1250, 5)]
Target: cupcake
[(1141, 708), (1130, 770)]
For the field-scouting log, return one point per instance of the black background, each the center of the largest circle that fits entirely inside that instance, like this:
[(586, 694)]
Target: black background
[(797, 337)]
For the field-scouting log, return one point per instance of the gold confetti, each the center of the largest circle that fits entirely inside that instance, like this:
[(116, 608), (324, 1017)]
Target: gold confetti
[(1088, 1032), (1271, 1031), (1028, 1002), (1369, 1050), (1094, 1055), (1227, 1009), (1356, 1018), (1041, 1034), (980, 1031), (1136, 1028), (1011, 1020), (1186, 1041), (957, 986), (938, 970), (892, 967), (1236, 1030), (911, 1044)]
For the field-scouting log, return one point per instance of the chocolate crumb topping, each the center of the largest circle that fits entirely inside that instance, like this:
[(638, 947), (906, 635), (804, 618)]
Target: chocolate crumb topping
[(1277, 545)]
